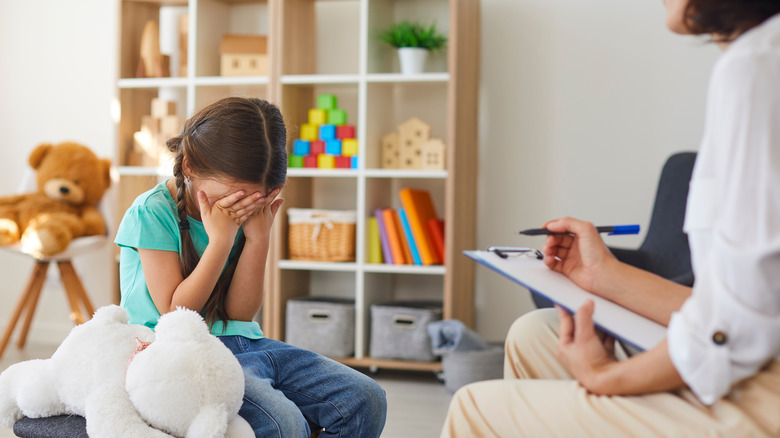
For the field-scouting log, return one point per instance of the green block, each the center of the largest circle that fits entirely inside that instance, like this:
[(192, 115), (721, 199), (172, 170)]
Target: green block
[(296, 161), (337, 117), (327, 101)]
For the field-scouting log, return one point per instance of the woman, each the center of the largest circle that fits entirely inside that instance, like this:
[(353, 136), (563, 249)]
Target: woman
[(717, 373)]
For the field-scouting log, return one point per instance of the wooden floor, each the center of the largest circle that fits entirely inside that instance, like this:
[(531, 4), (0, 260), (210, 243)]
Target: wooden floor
[(417, 401)]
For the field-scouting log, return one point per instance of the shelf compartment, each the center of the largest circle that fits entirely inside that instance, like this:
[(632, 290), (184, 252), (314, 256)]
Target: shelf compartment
[(135, 15), (135, 104)]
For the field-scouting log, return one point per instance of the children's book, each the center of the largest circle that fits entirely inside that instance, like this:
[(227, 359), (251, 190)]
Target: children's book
[(436, 230), (419, 209), (631, 328), (374, 242), (386, 251), (409, 238), (393, 229)]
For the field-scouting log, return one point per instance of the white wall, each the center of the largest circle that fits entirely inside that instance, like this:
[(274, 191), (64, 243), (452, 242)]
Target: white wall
[(581, 102), (56, 84)]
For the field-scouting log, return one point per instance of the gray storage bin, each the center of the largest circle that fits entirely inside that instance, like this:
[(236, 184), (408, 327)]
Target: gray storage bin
[(399, 330), (322, 325), (464, 367)]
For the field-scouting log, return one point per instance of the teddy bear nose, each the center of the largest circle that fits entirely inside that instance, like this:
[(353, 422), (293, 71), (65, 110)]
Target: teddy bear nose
[(64, 190)]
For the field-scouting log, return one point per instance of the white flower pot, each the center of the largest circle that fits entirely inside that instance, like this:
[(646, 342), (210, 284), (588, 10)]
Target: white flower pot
[(412, 60)]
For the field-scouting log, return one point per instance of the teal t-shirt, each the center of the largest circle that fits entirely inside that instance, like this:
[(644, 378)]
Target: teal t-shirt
[(152, 223)]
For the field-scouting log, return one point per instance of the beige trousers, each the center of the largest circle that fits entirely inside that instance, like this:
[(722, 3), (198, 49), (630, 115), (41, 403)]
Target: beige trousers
[(539, 398)]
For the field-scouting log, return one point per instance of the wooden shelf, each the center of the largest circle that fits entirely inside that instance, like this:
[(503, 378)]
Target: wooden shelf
[(368, 362)]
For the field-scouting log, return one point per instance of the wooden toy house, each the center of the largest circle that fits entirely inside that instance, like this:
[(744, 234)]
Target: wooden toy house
[(244, 55), (391, 153), (432, 155), (413, 133)]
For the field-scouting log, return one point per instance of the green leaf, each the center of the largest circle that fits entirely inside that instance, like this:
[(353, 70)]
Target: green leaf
[(413, 34)]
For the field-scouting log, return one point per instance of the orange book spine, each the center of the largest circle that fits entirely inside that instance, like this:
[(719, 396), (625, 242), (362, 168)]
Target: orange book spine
[(393, 229), (419, 210)]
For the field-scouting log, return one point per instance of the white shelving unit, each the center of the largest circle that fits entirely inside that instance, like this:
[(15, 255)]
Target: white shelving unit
[(319, 46)]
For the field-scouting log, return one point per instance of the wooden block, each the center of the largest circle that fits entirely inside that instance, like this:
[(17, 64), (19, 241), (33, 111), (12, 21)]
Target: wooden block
[(150, 125), (333, 147), (343, 162), (310, 161), (412, 134), (244, 44), (150, 63), (337, 117), (432, 155), (349, 147), (327, 101), (309, 132), (317, 147), (327, 132), (296, 161), (162, 108), (240, 64), (170, 126), (325, 161), (345, 131), (391, 153), (301, 147), (184, 30), (318, 117)]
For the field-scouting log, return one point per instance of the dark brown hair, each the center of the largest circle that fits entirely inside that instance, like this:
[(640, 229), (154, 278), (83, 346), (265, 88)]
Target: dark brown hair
[(728, 19), (234, 138)]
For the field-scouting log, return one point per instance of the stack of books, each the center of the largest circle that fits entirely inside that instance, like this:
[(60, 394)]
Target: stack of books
[(411, 235)]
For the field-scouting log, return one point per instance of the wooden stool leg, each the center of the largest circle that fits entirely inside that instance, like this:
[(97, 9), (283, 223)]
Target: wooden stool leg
[(34, 285), (31, 305), (81, 294), (73, 290)]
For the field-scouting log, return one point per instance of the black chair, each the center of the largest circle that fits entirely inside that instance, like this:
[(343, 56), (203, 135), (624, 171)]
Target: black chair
[(665, 250)]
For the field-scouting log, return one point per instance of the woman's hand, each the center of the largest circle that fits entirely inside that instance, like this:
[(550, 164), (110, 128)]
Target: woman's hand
[(258, 224), (583, 350), (580, 255)]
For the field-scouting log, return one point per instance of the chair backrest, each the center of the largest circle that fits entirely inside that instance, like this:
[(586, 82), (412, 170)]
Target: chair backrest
[(666, 244)]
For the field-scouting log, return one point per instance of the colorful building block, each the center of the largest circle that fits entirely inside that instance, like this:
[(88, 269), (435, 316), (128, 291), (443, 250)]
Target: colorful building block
[(328, 132), (333, 147), (310, 161), (349, 147), (343, 162), (354, 160), (327, 101), (337, 117), (309, 132), (345, 131), (300, 147), (296, 161), (318, 116), (317, 147), (325, 161)]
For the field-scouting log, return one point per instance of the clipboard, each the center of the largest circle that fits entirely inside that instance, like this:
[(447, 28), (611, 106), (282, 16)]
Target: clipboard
[(633, 329)]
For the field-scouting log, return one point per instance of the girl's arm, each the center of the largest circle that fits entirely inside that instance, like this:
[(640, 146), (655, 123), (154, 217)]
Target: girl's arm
[(245, 295), (582, 351)]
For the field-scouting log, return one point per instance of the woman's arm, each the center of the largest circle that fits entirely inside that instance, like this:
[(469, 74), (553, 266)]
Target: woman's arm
[(582, 256), (582, 351)]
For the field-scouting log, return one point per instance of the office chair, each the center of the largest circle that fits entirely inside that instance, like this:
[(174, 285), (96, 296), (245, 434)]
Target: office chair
[(664, 251)]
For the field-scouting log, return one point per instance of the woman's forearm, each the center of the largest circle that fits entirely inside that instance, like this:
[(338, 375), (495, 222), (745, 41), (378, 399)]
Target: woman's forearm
[(640, 291), (245, 296)]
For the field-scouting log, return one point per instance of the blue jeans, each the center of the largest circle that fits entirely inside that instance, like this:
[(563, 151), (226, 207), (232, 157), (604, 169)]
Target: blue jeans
[(288, 389)]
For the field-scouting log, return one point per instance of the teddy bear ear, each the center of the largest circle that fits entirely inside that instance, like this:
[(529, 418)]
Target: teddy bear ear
[(106, 163), (37, 155)]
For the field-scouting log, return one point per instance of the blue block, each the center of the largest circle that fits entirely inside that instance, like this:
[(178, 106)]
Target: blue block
[(354, 161), (333, 147), (327, 132), (301, 147)]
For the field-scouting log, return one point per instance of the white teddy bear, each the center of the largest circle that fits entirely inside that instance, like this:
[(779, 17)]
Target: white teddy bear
[(185, 383)]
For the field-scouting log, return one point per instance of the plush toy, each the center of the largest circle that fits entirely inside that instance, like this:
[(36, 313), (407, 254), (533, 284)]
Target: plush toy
[(71, 182), (128, 384)]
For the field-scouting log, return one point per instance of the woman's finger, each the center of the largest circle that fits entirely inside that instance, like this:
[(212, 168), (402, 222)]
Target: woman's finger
[(583, 321), (565, 326)]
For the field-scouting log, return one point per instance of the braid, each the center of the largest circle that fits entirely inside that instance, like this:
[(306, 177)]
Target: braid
[(189, 256)]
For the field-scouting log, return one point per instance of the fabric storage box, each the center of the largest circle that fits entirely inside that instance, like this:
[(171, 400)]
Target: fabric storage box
[(321, 235), (322, 325), (399, 330), (464, 367)]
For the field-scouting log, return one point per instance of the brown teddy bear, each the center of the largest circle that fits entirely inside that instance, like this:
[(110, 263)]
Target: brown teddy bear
[(71, 180)]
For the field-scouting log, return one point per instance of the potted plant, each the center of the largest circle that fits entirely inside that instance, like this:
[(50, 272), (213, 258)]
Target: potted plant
[(414, 41)]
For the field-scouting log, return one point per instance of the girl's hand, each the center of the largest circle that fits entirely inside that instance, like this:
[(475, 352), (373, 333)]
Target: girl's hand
[(580, 255), (583, 350), (218, 219), (258, 225)]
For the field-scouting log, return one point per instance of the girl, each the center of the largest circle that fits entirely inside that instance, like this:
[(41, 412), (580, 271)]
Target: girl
[(200, 240), (717, 373)]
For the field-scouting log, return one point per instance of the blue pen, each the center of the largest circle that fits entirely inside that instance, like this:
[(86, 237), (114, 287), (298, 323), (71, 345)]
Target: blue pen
[(613, 230)]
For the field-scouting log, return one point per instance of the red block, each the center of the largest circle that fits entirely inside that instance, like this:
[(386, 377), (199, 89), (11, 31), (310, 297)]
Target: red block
[(310, 161), (343, 162), (317, 147), (345, 131)]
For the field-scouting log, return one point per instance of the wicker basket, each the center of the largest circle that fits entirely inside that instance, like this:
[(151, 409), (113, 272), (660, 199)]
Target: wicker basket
[(321, 235)]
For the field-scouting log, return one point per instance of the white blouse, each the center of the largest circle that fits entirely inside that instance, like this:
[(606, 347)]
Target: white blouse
[(730, 326)]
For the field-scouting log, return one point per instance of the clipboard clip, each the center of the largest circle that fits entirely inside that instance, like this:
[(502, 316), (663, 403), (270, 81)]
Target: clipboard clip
[(505, 251)]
